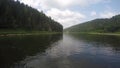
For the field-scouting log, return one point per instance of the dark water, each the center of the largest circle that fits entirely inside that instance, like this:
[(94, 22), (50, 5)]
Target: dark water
[(57, 51)]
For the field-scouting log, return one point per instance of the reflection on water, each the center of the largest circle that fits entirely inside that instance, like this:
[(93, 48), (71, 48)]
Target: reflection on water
[(71, 51), (14, 49)]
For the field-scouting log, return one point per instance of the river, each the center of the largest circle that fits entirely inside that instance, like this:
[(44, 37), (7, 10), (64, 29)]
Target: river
[(60, 51)]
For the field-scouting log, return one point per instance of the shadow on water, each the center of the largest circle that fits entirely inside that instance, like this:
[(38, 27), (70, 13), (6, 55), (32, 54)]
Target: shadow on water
[(13, 49)]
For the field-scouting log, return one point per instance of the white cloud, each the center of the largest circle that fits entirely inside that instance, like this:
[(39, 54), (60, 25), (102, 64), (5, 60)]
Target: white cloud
[(33, 3), (65, 17), (107, 14), (93, 13), (48, 4)]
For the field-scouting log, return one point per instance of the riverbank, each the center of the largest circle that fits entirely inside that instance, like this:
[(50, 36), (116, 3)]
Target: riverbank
[(117, 34), (23, 32), (94, 33)]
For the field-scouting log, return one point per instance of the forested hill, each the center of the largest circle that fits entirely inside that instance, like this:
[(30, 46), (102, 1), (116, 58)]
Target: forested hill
[(98, 25), (16, 15)]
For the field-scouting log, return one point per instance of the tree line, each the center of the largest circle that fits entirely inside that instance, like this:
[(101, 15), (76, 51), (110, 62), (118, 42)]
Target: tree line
[(16, 15), (98, 25)]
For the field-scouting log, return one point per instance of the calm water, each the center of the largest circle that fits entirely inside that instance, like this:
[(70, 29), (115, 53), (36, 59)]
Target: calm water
[(60, 51)]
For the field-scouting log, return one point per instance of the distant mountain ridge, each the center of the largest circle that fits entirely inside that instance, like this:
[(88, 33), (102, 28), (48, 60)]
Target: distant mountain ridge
[(98, 25), (16, 15)]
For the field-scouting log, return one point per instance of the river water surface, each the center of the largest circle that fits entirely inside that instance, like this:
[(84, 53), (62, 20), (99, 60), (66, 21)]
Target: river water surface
[(60, 51)]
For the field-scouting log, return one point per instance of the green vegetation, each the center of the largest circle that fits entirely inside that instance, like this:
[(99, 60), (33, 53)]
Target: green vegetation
[(16, 48), (25, 32), (98, 26), (19, 18)]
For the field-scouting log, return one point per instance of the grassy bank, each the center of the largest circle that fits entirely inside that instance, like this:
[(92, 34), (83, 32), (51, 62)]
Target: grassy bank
[(24, 32), (118, 34), (96, 33)]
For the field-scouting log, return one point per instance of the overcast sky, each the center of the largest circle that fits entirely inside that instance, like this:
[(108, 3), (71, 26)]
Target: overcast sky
[(72, 12)]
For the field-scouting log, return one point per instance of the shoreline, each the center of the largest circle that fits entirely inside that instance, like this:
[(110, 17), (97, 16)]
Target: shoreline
[(15, 33), (94, 33), (116, 34)]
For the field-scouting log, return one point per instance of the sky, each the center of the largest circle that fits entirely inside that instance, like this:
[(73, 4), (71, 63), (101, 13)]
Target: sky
[(72, 12)]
